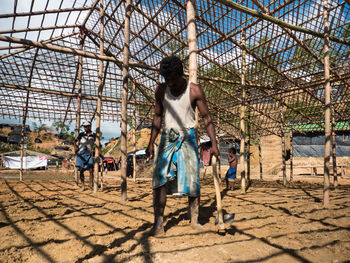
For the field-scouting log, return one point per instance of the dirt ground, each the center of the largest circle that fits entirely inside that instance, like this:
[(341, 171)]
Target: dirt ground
[(53, 221)]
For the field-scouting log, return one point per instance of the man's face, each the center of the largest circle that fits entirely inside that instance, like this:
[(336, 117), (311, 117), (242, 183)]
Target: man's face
[(173, 80), (87, 128)]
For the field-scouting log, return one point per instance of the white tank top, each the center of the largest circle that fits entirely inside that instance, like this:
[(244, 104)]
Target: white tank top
[(178, 111)]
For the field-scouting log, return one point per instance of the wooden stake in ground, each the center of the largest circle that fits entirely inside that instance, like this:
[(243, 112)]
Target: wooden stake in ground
[(327, 106)]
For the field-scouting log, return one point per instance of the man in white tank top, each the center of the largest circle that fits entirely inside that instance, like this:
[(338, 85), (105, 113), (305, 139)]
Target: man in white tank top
[(177, 157)]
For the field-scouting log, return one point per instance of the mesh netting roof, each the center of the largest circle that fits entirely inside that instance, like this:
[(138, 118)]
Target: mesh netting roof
[(284, 72)]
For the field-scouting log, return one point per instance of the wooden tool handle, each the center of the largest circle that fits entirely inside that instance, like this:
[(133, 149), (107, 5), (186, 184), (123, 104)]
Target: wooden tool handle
[(218, 194)]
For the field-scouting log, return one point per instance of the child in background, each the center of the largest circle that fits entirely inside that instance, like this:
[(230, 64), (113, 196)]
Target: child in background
[(231, 172)]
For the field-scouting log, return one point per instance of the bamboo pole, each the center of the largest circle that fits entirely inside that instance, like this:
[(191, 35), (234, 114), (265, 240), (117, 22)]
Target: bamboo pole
[(334, 151), (79, 79), (70, 50), (37, 29), (248, 149), (326, 189), (242, 121), (43, 12), (125, 66), (291, 158), (283, 145), (260, 159), (277, 21), (25, 113), (134, 134), (67, 94), (98, 153), (192, 49)]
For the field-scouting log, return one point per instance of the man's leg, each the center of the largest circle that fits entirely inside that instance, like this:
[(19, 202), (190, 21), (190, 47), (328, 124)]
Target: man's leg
[(82, 179), (91, 170), (193, 203), (159, 202)]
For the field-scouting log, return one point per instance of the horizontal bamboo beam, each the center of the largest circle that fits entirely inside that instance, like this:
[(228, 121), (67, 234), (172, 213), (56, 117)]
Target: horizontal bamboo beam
[(70, 50), (278, 21), (43, 12), (13, 31), (67, 94)]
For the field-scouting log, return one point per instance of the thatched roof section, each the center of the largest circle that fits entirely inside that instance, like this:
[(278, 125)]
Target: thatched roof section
[(41, 41)]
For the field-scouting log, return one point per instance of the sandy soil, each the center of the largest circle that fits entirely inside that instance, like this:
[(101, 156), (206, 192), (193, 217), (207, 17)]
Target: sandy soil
[(53, 221)]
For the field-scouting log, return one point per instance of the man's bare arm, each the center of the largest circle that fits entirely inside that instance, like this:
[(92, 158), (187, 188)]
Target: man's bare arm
[(157, 120), (202, 105)]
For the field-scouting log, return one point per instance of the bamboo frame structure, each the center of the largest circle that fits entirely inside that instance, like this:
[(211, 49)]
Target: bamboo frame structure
[(284, 51)]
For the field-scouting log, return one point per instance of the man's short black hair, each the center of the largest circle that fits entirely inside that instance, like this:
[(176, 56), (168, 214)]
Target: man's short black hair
[(171, 64), (233, 150)]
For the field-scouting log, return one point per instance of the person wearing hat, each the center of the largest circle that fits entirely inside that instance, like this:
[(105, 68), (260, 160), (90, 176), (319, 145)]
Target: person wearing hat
[(84, 146)]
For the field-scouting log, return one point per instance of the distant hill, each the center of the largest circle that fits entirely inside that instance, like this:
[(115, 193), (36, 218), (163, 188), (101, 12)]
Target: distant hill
[(142, 138)]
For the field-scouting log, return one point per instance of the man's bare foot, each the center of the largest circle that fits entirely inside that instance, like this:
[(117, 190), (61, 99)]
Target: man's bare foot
[(153, 232), (198, 227), (83, 188)]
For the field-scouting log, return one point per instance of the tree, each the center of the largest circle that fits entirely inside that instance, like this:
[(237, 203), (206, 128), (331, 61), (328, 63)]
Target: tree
[(39, 128), (62, 129)]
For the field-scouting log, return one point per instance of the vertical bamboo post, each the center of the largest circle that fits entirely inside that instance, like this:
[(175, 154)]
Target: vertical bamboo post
[(98, 154), (126, 51), (134, 135), (192, 49), (291, 158), (219, 162), (192, 40), (327, 106), (79, 79), (334, 152), (248, 150), (241, 157), (260, 159), (22, 136), (283, 146), (25, 113)]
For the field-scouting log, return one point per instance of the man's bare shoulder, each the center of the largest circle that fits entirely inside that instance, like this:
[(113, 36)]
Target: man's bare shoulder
[(196, 90), (160, 90)]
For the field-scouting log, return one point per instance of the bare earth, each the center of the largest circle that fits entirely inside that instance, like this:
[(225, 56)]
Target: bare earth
[(53, 221)]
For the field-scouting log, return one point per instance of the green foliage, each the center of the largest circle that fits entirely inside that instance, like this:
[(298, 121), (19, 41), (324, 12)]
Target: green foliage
[(106, 149), (5, 147), (47, 137), (62, 129), (38, 128)]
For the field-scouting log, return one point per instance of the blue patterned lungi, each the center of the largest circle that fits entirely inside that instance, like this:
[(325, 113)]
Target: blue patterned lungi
[(177, 163), (231, 174), (84, 160)]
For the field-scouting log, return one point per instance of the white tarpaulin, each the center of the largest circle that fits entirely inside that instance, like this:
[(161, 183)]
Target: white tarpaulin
[(29, 162)]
